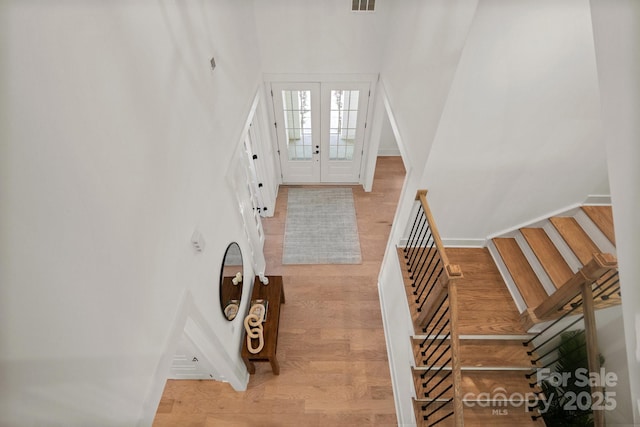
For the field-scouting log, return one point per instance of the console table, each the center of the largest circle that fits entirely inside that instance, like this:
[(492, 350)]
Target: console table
[(274, 294)]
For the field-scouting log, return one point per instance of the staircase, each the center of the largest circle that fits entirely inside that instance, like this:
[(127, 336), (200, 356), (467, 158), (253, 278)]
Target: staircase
[(473, 308), (538, 260), (493, 361)]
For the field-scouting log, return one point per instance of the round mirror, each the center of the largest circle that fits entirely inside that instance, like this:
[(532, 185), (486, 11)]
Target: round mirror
[(231, 278)]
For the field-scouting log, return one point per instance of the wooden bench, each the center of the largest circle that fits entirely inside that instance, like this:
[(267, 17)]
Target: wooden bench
[(274, 294)]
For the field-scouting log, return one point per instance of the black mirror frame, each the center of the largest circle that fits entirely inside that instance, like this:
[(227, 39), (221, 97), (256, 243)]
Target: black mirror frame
[(229, 292)]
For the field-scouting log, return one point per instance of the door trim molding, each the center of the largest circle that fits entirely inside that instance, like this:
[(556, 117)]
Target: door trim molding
[(382, 105), (368, 155)]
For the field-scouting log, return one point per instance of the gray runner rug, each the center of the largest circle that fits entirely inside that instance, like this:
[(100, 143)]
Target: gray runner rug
[(321, 227)]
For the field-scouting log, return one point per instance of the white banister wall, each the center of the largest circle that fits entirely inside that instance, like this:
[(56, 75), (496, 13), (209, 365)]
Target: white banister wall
[(397, 330)]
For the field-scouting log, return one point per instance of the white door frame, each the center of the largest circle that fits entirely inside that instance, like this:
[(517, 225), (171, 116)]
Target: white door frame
[(306, 168), (343, 171), (372, 79)]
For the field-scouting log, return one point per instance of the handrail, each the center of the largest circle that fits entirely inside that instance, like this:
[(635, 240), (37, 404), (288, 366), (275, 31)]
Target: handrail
[(421, 195), (435, 284)]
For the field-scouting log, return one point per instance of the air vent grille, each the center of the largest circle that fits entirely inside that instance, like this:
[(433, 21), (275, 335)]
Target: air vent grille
[(363, 5)]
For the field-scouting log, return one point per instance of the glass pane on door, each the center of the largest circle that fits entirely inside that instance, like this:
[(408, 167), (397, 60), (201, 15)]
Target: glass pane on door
[(343, 124), (297, 123)]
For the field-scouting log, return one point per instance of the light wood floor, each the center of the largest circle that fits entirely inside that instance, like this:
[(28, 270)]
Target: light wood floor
[(331, 347)]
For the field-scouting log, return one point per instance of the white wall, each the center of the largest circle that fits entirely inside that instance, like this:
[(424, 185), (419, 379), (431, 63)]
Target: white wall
[(397, 329), (520, 135), (388, 145), (112, 127), (308, 40), (309, 36), (421, 56), (420, 60), (616, 26)]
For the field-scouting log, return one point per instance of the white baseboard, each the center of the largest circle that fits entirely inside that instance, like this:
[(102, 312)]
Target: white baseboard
[(464, 243), (382, 153), (601, 199), (454, 243), (538, 221)]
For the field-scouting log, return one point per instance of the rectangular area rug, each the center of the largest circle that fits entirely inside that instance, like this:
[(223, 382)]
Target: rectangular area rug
[(321, 227)]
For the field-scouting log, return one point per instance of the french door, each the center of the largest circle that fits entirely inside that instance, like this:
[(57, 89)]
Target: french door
[(320, 130)]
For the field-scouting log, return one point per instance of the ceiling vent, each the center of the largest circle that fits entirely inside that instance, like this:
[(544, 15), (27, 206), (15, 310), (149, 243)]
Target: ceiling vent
[(363, 5)]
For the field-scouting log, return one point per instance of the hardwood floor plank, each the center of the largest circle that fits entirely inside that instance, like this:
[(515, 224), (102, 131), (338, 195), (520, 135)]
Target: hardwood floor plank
[(187, 420)]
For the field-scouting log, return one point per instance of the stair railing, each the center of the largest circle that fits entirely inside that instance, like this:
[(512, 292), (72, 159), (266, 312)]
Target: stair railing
[(434, 295), (548, 349), (601, 268)]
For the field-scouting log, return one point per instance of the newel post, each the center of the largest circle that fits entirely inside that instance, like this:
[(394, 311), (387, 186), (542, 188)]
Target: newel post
[(454, 273)]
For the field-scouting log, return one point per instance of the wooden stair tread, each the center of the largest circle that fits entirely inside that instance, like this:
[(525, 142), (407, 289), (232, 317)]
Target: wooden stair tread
[(479, 353), (523, 275), (480, 416), (510, 415), (485, 305), (575, 236), (475, 382), (602, 217), (550, 258), (434, 384), (417, 410), (488, 381), (493, 353)]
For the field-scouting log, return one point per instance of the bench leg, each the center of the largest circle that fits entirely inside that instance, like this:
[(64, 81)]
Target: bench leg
[(251, 367), (274, 365)]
